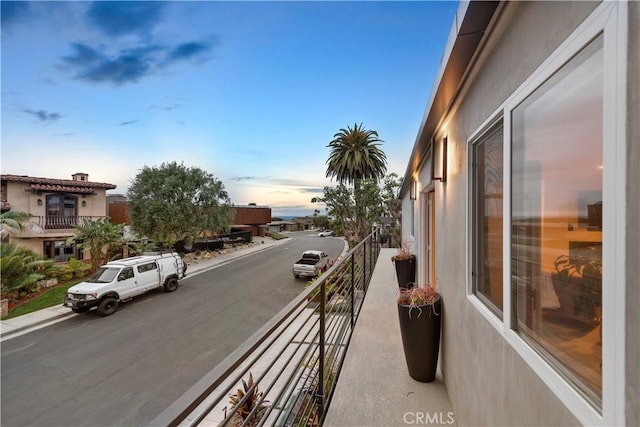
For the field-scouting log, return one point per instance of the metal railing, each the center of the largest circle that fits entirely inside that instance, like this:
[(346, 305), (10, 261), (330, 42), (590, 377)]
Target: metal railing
[(288, 369), (61, 222)]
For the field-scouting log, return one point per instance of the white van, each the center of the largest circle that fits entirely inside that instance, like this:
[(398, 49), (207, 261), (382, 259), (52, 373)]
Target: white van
[(119, 281)]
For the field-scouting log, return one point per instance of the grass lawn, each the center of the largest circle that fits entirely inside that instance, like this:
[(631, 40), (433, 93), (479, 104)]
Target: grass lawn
[(51, 297)]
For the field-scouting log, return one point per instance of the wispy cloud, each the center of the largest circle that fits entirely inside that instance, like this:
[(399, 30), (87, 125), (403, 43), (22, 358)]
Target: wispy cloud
[(246, 178), (116, 18), (44, 116), (130, 122), (131, 64), (166, 107), (194, 51)]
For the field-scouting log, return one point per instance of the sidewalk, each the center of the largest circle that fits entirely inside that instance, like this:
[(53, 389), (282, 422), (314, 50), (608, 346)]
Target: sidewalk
[(39, 319)]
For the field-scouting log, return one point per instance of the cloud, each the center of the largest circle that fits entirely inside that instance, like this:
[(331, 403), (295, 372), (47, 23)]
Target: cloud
[(130, 122), (128, 66), (166, 107), (245, 178), (118, 18), (131, 64), (44, 116), (190, 51), (312, 190), (12, 12)]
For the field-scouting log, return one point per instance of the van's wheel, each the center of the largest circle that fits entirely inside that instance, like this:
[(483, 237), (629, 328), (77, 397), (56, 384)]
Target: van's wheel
[(171, 285), (80, 310), (107, 306)]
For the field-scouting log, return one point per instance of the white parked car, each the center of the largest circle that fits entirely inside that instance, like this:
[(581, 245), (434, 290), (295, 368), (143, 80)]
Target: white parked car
[(325, 233), (119, 281)]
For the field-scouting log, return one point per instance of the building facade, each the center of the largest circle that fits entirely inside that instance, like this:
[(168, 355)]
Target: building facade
[(521, 203), (55, 206)]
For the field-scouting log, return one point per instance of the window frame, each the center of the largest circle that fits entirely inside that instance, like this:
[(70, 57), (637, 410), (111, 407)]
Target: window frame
[(476, 139), (609, 19)]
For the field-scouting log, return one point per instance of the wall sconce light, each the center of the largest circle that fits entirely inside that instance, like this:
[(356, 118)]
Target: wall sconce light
[(39, 202), (413, 190), (439, 160), (84, 203)]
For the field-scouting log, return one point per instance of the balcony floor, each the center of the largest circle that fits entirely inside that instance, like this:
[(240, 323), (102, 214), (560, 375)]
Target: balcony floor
[(374, 387)]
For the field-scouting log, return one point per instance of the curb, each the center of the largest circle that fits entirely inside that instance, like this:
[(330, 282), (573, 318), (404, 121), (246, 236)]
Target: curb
[(14, 331), (34, 324)]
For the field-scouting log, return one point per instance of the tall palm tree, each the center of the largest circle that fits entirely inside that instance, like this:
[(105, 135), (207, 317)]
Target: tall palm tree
[(356, 156)]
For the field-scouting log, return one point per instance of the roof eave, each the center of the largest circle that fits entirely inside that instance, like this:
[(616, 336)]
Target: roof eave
[(470, 23)]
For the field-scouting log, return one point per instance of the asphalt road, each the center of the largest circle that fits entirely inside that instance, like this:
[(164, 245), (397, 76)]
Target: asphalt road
[(127, 368)]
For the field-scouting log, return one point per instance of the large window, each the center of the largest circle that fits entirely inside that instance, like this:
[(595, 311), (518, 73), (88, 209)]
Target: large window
[(487, 217), (61, 211), (556, 219)]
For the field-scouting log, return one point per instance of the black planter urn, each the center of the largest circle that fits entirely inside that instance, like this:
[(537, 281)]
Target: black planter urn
[(406, 271), (420, 330)]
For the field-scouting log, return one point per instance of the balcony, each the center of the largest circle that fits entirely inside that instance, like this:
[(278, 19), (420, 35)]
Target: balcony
[(342, 333), (57, 222)]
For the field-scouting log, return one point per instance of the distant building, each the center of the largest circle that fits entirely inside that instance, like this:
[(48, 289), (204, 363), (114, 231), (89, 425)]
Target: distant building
[(55, 206), (252, 216), (249, 217)]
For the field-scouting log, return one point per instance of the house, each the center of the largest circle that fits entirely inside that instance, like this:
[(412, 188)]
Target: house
[(522, 204), (252, 216), (56, 205)]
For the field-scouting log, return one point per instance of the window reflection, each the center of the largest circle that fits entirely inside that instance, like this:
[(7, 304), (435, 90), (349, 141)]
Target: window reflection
[(487, 216), (557, 220)]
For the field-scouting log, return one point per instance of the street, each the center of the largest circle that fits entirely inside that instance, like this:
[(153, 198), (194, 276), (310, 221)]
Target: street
[(126, 368)]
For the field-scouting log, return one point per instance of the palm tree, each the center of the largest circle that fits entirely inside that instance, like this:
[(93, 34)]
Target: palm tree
[(355, 156), (12, 223), (99, 237), (21, 269)]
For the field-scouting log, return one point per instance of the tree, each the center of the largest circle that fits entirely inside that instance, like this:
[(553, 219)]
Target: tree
[(377, 202), (20, 268), (392, 205), (173, 202), (98, 237), (355, 156), (13, 222)]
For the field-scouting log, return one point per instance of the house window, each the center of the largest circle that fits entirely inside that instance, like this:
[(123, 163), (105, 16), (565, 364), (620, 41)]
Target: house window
[(62, 211), (487, 194), (556, 220), (60, 251)]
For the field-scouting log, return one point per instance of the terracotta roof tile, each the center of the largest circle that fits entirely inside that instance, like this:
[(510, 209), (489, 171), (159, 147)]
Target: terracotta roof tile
[(48, 184)]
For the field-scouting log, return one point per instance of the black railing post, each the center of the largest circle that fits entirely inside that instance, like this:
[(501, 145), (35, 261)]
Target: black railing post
[(353, 290), (323, 311), (364, 264)]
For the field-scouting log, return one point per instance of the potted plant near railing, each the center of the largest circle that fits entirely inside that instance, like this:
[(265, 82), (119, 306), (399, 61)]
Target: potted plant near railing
[(405, 263), (578, 284), (420, 314)]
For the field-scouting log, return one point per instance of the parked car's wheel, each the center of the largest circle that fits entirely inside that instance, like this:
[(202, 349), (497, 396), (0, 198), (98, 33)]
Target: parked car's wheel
[(171, 285), (80, 310), (107, 306)]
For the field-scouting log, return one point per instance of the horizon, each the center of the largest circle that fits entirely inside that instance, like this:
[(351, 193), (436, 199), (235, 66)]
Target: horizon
[(251, 92)]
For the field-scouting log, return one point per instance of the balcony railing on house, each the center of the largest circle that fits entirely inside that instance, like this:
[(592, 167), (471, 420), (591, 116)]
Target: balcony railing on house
[(58, 222), (293, 361)]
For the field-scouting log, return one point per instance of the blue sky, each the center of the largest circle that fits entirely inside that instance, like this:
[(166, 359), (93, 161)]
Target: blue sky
[(251, 92)]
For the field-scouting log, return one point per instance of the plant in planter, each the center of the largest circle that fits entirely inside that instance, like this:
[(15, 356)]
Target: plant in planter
[(578, 283), (420, 314), (405, 263), (247, 406)]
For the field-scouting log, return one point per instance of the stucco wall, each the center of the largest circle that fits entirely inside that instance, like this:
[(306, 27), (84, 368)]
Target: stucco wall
[(632, 391), (488, 382)]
